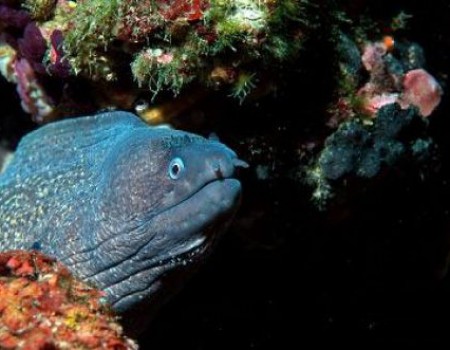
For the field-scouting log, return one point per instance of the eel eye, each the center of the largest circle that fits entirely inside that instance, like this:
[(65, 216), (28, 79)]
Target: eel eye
[(176, 168)]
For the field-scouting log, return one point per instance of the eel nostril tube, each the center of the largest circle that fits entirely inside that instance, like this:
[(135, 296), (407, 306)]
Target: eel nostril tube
[(238, 163)]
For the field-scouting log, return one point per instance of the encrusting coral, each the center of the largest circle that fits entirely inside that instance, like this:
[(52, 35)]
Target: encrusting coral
[(43, 307)]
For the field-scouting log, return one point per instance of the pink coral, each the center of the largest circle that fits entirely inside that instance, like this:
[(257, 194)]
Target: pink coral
[(388, 84), (372, 57), (372, 104), (420, 89)]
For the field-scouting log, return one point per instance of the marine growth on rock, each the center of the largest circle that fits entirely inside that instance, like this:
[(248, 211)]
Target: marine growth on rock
[(147, 45), (43, 307), (382, 88)]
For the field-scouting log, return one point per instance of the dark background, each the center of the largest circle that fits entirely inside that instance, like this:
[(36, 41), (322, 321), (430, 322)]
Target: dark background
[(369, 270)]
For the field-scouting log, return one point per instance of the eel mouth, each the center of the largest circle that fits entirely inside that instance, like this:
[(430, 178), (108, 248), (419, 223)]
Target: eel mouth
[(195, 225), (187, 260), (193, 221)]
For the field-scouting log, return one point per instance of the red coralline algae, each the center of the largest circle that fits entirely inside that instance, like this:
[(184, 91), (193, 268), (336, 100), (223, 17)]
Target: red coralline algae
[(421, 90), (191, 10), (34, 100), (43, 307), (140, 18)]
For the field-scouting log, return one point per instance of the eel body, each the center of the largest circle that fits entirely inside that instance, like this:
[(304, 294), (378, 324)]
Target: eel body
[(122, 205)]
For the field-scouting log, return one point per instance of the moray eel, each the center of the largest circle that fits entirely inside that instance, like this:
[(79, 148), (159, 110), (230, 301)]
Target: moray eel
[(123, 205)]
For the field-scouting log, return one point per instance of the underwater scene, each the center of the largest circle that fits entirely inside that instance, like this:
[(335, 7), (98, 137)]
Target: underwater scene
[(224, 174)]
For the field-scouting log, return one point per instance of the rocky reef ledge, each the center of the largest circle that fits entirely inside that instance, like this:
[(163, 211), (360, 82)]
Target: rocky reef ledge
[(43, 307)]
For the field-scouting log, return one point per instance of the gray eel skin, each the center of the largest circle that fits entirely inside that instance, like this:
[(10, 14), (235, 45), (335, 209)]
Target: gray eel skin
[(130, 208)]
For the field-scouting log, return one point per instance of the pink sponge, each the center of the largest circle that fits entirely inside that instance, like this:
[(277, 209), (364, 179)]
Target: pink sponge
[(420, 89)]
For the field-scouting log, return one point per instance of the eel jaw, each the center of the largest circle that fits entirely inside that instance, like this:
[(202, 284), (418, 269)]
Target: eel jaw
[(184, 263), (161, 264)]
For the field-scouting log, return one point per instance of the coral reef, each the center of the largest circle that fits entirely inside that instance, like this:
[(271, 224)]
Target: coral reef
[(43, 307), (175, 42), (150, 46), (371, 113)]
